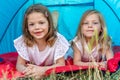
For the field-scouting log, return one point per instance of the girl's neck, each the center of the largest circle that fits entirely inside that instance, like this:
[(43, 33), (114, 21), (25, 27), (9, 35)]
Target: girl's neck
[(91, 42), (41, 44), (87, 40)]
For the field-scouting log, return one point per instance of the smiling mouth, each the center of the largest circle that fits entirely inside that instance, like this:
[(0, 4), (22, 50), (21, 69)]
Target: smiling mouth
[(37, 33), (90, 30)]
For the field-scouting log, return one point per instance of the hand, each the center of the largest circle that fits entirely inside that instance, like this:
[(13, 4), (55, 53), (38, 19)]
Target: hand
[(34, 71), (103, 65), (94, 65)]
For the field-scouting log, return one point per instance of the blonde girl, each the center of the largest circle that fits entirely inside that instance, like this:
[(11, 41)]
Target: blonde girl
[(92, 46)]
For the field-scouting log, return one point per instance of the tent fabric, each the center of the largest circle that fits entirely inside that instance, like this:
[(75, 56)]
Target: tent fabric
[(7, 13), (110, 10), (70, 12)]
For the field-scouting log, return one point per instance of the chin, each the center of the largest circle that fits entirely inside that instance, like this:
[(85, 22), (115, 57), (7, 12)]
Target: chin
[(89, 35), (38, 37)]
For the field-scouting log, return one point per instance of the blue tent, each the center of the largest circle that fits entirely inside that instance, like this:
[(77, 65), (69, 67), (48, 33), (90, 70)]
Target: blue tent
[(70, 11)]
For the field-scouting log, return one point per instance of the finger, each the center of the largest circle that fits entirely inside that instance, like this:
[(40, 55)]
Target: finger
[(26, 70), (30, 65), (31, 75), (28, 73)]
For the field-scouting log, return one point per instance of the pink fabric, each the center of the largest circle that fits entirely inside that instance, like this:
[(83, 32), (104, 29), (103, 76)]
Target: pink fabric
[(46, 57), (87, 55)]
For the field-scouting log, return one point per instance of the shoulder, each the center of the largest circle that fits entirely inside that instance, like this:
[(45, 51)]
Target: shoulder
[(59, 35), (19, 40), (76, 40), (61, 39), (61, 46), (19, 43), (77, 43), (21, 47)]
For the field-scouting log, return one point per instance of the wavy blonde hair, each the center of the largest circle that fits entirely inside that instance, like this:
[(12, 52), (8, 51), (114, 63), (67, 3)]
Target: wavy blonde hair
[(103, 38)]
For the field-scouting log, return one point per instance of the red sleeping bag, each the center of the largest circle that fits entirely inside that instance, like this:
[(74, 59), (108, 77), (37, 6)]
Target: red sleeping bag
[(69, 67), (7, 66), (113, 63), (9, 61)]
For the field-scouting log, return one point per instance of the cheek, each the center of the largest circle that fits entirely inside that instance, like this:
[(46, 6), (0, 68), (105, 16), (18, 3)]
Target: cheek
[(99, 29), (29, 29), (83, 30), (47, 27)]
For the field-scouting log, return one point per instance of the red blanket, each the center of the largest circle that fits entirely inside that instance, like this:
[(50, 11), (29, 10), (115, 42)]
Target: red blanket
[(7, 66), (9, 62)]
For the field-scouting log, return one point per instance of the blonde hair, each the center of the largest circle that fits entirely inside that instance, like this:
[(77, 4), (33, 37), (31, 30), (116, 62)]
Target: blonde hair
[(51, 35), (103, 40)]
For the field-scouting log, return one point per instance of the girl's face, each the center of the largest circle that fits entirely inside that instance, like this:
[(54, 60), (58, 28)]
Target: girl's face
[(90, 24), (38, 25)]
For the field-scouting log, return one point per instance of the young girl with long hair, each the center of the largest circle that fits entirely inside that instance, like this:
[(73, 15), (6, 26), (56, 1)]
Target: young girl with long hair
[(40, 47), (92, 45)]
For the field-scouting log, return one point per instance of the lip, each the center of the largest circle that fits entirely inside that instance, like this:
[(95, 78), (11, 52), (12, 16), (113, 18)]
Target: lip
[(37, 33), (90, 30)]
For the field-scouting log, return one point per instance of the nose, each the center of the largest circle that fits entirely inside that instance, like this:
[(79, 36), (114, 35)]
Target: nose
[(90, 25), (36, 26)]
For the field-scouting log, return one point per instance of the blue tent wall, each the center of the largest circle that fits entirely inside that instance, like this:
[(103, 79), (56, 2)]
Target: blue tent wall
[(111, 12), (11, 28), (70, 12)]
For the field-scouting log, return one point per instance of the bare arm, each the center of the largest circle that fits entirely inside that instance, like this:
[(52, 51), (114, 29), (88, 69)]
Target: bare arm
[(21, 64), (103, 64), (39, 71), (59, 62), (77, 58), (109, 54)]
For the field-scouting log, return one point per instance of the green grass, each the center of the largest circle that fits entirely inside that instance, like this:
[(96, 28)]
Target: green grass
[(90, 74)]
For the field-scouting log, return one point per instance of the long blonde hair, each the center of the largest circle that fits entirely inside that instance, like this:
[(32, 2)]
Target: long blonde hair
[(103, 38)]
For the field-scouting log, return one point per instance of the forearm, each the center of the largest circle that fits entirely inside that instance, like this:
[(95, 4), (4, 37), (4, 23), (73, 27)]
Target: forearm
[(20, 67), (21, 64), (54, 65), (92, 64)]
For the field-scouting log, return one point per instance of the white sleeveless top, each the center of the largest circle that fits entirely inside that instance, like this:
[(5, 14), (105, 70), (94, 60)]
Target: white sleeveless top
[(87, 55), (43, 58)]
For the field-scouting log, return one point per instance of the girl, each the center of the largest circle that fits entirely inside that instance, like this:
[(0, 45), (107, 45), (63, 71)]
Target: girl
[(40, 44), (92, 45)]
